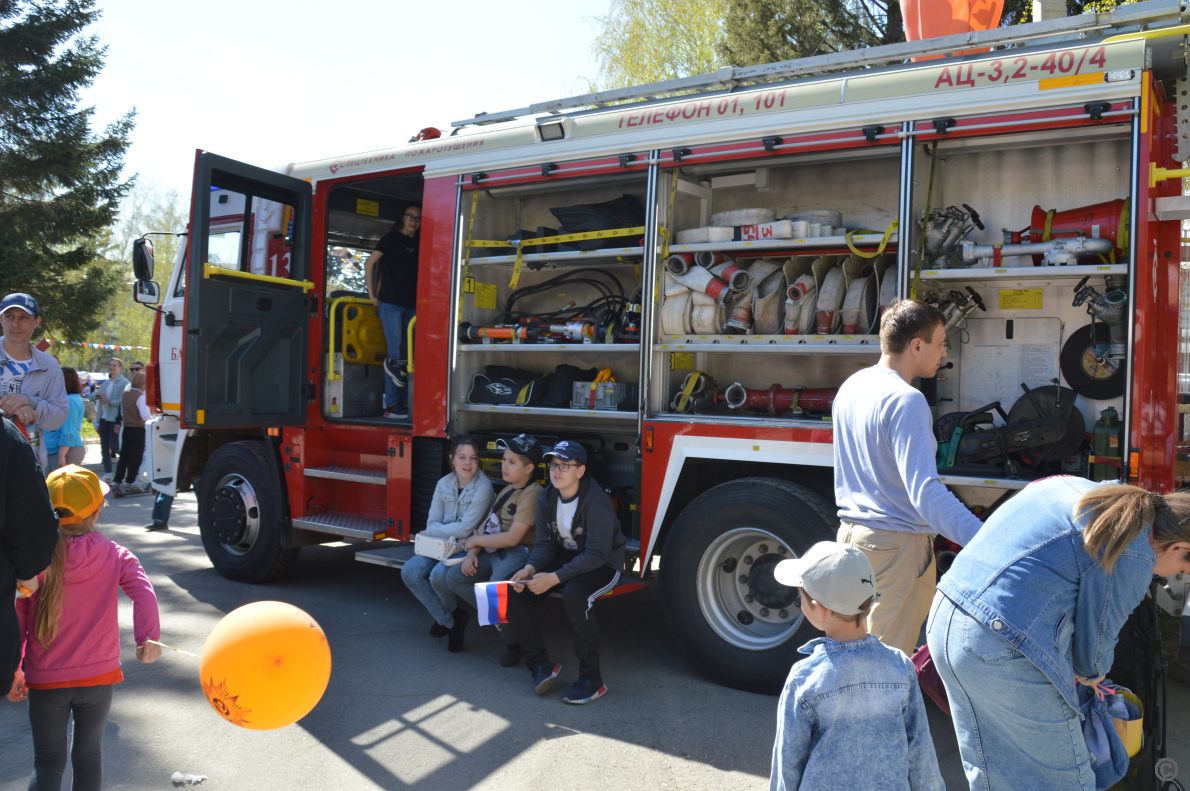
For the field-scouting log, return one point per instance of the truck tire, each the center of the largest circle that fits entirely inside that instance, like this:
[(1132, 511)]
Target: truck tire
[(716, 578), (239, 515)]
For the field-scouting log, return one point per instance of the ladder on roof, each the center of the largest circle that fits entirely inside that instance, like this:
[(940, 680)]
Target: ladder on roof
[(1136, 16)]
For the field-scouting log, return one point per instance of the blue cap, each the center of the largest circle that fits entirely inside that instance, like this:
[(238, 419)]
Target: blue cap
[(23, 302), (569, 450)]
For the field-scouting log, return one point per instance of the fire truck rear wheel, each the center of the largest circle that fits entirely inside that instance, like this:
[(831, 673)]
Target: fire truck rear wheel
[(716, 580), (239, 515)]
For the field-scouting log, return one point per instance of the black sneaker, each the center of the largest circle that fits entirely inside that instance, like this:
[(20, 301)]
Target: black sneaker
[(543, 677), (393, 369), (156, 526), (584, 691), (512, 655), (438, 630)]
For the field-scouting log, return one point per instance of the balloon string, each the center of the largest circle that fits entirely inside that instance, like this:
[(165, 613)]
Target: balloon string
[(171, 648)]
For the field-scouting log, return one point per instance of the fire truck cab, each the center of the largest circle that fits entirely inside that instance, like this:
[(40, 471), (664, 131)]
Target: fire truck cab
[(680, 284)]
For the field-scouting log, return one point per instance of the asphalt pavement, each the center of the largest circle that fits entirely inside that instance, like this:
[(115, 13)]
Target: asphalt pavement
[(401, 712)]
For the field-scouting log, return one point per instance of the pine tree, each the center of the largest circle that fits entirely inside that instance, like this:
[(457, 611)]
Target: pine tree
[(60, 184), (768, 31)]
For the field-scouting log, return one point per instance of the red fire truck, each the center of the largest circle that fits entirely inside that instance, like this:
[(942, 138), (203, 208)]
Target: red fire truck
[(680, 284)]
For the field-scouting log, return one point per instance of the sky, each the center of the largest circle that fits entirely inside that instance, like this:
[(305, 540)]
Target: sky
[(269, 83)]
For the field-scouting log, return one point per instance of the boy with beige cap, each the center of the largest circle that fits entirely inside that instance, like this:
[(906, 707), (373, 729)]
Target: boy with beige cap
[(851, 714)]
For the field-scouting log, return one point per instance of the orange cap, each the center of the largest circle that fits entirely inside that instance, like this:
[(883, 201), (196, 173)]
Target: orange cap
[(76, 491)]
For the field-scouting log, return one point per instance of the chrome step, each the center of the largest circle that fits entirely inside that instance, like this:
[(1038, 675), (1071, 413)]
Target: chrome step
[(362, 527), (339, 473), (394, 556)]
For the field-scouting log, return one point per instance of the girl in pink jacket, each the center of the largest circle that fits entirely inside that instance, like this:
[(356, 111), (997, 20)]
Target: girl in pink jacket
[(71, 638)]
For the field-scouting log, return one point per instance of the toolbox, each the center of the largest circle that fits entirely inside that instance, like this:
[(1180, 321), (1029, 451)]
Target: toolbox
[(603, 396)]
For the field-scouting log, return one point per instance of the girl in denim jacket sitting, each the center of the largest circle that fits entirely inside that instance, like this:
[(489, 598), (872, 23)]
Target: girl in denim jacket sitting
[(1034, 604), (851, 714), (462, 501)]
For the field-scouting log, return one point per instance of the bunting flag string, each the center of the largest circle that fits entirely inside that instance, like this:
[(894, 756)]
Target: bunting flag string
[(96, 345)]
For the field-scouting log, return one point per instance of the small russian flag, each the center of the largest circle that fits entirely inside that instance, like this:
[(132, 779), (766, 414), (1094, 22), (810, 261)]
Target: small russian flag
[(491, 599)]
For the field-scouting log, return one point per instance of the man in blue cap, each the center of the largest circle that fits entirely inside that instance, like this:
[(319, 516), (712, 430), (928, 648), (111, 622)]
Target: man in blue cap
[(32, 389), (578, 548)]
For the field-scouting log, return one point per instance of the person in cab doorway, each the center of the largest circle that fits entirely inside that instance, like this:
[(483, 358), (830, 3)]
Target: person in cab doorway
[(32, 389), (891, 501), (851, 714), (391, 272), (578, 547)]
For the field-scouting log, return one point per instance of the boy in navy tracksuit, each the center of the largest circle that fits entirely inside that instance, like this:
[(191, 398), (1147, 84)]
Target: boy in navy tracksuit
[(580, 548)]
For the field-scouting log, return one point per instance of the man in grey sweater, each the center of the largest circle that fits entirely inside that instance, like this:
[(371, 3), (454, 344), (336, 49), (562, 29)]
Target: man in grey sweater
[(891, 501), (32, 389)]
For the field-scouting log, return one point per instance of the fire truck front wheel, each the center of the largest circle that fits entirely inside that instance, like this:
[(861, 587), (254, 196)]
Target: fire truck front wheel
[(716, 579), (239, 515)]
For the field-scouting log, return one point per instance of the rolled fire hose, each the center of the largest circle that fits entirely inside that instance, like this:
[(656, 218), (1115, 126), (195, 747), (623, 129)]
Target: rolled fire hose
[(679, 263), (706, 315), (675, 309), (766, 310), (706, 235), (727, 271), (830, 297), (801, 291), (859, 306), (737, 217), (698, 279), (888, 292), (741, 315)]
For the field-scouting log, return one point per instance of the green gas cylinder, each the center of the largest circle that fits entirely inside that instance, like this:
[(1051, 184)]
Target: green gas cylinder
[(1106, 440)]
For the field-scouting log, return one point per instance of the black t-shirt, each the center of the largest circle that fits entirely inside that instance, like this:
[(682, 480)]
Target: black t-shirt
[(396, 271)]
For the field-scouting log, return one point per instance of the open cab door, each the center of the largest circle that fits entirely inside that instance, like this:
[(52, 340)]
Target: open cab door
[(249, 298)]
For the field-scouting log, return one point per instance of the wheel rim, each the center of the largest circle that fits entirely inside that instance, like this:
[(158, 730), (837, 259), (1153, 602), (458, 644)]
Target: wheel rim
[(235, 515), (740, 598)]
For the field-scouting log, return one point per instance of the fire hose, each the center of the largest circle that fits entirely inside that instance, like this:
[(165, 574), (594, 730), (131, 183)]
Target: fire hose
[(777, 400)]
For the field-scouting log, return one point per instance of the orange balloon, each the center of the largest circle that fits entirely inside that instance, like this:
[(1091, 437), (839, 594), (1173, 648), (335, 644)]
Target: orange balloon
[(265, 665)]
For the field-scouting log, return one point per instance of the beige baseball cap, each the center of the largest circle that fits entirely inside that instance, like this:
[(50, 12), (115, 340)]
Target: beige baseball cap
[(837, 576)]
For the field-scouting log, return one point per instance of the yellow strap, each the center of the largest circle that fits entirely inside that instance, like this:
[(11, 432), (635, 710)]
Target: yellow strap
[(604, 375), (516, 268), (1049, 224), (570, 237), (688, 388), (1122, 232), (888, 232), (470, 230)]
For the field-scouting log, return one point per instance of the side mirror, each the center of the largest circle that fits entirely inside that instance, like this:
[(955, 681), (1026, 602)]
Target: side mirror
[(146, 292), (142, 259)]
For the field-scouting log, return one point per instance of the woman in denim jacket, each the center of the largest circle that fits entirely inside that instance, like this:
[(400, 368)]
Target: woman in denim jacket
[(1032, 606), (462, 500)]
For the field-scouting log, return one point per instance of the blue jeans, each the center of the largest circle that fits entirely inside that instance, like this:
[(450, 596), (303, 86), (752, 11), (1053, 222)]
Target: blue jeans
[(494, 566), (394, 319), (1015, 730), (161, 508), (426, 578)]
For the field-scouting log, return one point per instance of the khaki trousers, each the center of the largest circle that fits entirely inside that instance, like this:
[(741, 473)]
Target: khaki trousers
[(905, 579)]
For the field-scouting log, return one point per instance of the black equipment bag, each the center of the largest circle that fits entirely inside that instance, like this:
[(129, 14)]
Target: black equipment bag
[(560, 385), (622, 212)]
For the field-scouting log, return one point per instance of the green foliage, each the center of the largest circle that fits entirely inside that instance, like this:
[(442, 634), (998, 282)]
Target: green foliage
[(60, 184), (122, 321), (641, 41), (768, 31)]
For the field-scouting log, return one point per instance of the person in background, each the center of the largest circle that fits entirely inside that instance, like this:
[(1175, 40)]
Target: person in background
[(28, 534), (71, 635), (503, 546), (851, 692), (1032, 608), (132, 436), (71, 449), (108, 396), (391, 275), (891, 500), (31, 386), (462, 501), (579, 548)]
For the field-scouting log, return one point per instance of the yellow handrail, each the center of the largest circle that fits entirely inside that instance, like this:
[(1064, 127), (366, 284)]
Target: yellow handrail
[(409, 341), (330, 352), (209, 269), (1161, 32)]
